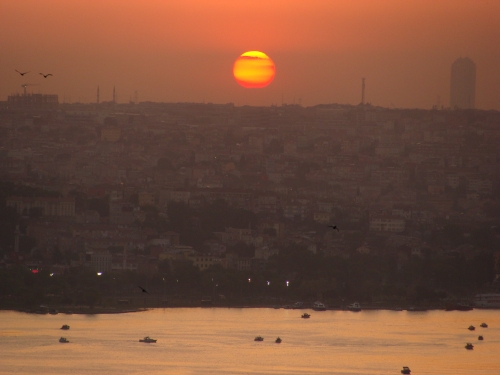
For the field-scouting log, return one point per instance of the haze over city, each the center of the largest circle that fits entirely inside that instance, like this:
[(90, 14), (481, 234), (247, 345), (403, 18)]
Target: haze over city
[(249, 187), (183, 51)]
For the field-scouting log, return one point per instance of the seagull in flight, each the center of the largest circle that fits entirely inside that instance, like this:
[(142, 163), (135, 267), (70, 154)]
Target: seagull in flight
[(45, 75), (143, 290), (333, 227), (21, 73)]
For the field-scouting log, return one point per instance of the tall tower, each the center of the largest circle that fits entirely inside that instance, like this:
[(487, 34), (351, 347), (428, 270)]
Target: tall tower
[(463, 84)]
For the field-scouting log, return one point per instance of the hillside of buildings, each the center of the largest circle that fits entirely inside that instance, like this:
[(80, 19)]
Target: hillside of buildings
[(191, 200)]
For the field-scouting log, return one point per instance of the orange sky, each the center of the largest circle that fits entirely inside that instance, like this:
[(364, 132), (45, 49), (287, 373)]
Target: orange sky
[(184, 50)]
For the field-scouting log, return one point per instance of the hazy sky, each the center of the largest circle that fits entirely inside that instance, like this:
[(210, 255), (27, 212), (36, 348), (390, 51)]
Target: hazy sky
[(184, 50)]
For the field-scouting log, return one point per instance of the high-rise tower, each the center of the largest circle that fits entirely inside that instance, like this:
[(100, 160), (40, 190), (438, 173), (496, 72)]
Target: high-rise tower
[(463, 84)]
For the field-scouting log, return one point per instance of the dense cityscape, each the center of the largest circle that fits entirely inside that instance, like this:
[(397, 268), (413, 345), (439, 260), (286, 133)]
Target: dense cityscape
[(232, 204)]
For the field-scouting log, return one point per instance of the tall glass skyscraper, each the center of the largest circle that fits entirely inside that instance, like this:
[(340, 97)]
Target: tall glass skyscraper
[(463, 84)]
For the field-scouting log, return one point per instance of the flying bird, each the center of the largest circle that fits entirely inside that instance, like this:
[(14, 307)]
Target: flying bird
[(45, 75), (143, 290), (333, 227), (21, 73)]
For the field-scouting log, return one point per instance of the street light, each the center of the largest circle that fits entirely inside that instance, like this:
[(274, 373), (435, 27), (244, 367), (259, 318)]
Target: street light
[(99, 273), (268, 283), (287, 282)]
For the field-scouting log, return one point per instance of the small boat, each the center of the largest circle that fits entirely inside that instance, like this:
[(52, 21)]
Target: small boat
[(148, 340), (471, 328), (297, 305), (469, 346), (278, 341), (458, 306), (305, 316), (65, 326), (484, 325), (354, 307), (319, 306), (406, 370), (258, 338), (63, 340), (481, 338)]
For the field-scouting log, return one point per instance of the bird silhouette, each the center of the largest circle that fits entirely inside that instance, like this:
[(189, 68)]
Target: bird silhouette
[(21, 73), (143, 290), (333, 227), (45, 75)]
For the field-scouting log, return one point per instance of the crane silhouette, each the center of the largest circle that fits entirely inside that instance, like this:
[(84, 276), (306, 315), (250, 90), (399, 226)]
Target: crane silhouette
[(21, 73), (45, 75)]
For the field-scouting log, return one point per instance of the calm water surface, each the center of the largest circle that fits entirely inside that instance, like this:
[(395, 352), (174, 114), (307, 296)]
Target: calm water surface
[(220, 341)]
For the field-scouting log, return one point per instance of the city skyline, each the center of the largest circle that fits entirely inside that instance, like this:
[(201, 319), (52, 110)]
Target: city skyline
[(184, 51)]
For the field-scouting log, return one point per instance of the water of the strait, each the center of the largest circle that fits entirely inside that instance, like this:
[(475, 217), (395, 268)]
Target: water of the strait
[(221, 341)]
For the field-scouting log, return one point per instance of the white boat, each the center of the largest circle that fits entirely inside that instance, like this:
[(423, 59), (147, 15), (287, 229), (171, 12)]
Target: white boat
[(487, 300), (148, 340), (319, 306), (354, 307)]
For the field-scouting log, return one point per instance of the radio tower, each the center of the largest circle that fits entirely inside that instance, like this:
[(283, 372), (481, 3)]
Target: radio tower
[(362, 91)]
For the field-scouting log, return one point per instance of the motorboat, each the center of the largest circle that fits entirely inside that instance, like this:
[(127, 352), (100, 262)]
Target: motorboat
[(63, 340), (484, 325), (469, 346), (305, 316), (319, 306), (480, 338), (258, 338), (278, 341), (65, 326), (297, 305), (458, 306), (406, 370), (354, 307), (471, 328), (148, 340)]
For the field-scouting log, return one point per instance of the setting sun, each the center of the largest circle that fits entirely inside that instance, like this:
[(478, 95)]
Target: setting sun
[(254, 69)]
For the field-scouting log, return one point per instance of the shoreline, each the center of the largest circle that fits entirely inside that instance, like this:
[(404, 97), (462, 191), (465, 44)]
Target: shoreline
[(70, 310)]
